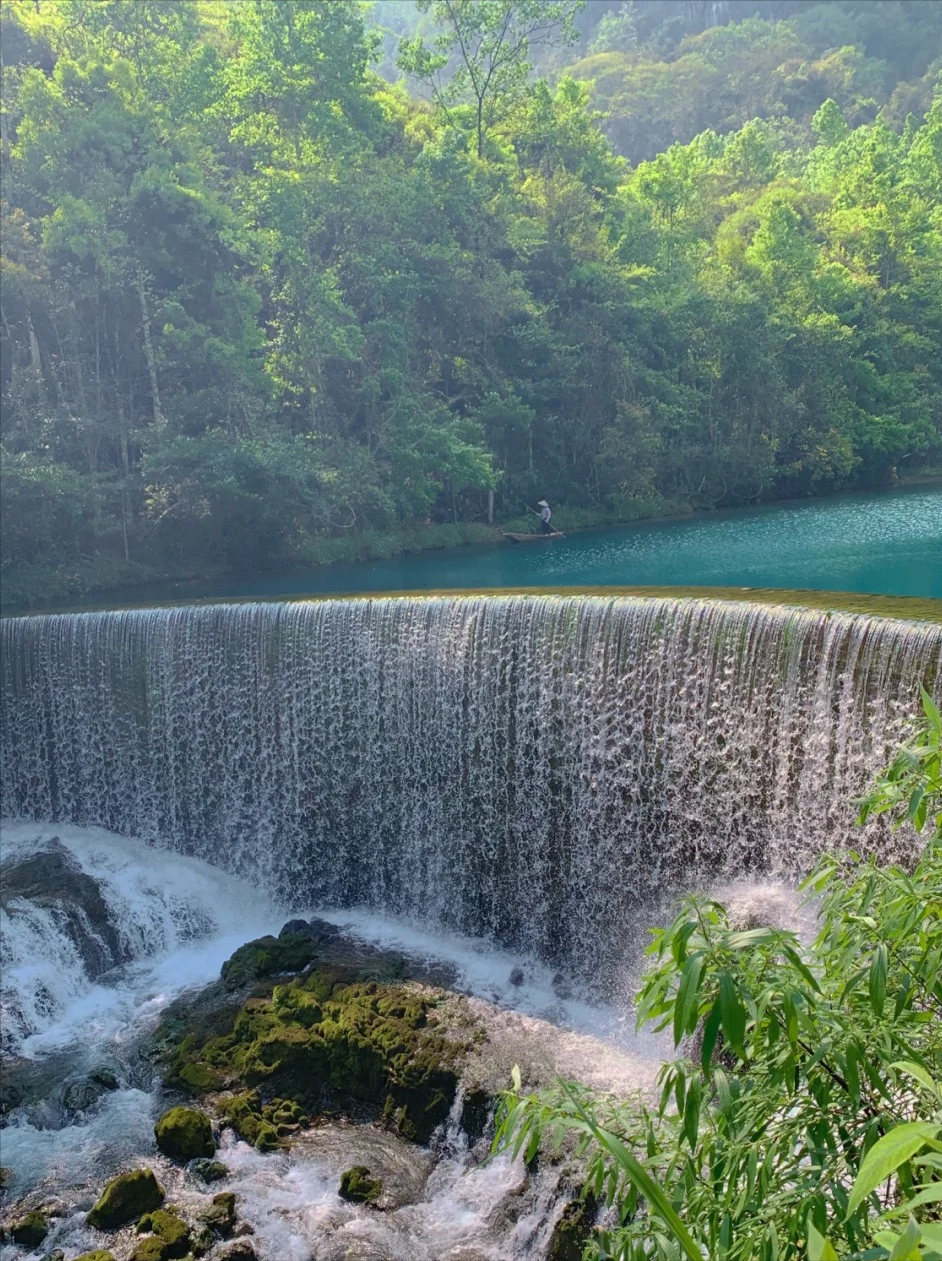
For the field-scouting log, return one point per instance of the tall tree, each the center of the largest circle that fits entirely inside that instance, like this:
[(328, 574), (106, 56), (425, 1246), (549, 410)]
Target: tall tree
[(484, 52)]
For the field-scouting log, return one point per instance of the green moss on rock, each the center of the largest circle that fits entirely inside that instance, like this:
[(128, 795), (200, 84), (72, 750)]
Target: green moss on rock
[(359, 1186), (100, 1254), (571, 1233), (318, 1038), (31, 1230), (221, 1216), (208, 1170), (125, 1198), (268, 956), (184, 1133), (170, 1231)]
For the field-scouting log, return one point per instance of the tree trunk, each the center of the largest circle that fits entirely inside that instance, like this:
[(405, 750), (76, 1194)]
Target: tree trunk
[(34, 356), (490, 506), (149, 350)]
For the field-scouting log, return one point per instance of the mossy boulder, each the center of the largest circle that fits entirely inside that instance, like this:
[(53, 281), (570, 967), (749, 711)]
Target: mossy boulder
[(31, 1230), (170, 1231), (100, 1254), (359, 1186), (184, 1134), (268, 956), (221, 1215), (126, 1198)]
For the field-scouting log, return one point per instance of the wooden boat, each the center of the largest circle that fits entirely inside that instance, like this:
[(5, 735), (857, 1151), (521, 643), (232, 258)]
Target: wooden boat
[(533, 538)]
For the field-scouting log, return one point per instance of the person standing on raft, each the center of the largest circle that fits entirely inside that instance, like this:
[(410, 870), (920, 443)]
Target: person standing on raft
[(545, 514)]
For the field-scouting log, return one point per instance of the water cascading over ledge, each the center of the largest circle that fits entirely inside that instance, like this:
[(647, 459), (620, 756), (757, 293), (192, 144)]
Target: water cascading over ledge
[(529, 768)]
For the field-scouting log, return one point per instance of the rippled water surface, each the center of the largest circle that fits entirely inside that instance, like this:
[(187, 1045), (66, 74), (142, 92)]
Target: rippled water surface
[(887, 543)]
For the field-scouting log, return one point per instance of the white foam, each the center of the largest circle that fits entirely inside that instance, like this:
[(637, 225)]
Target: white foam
[(178, 919)]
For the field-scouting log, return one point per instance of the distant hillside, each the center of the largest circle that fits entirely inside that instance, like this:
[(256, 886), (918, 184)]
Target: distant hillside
[(661, 75), (663, 71)]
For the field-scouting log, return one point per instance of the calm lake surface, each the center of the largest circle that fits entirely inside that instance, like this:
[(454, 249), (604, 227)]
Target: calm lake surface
[(885, 543)]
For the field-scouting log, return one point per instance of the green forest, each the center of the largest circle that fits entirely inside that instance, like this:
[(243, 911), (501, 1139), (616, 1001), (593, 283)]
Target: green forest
[(293, 281)]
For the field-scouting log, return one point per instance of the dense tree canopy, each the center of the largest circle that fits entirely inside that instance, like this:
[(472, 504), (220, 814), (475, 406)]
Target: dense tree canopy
[(260, 304)]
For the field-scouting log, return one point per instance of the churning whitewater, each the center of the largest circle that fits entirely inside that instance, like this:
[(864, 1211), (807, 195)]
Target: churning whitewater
[(527, 769)]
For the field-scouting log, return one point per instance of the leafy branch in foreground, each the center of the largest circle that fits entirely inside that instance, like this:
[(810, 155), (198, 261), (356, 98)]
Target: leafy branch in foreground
[(804, 1115)]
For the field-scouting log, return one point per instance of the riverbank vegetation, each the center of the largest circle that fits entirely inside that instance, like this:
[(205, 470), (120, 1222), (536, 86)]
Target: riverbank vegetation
[(804, 1117), (261, 307)]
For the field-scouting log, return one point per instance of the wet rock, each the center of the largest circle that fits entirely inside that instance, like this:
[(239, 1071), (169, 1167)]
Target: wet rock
[(125, 1198), (56, 1255), (268, 956), (475, 1113), (243, 1229), (53, 880), (562, 986), (6, 1177), (170, 1237), (315, 1037), (296, 928), (208, 1170), (221, 1215), (516, 976), (359, 1186), (84, 1092), (31, 1230), (237, 1250), (571, 1233), (184, 1134)]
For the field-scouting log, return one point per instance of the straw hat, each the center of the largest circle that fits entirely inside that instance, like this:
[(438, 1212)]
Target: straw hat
[(542, 504)]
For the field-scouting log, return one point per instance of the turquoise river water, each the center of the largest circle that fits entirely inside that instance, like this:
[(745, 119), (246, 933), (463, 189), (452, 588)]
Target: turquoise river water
[(885, 543)]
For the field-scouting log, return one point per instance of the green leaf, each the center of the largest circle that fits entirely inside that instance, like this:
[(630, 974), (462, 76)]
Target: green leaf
[(920, 1074), (819, 1249), (878, 979), (639, 1176), (692, 1111), (886, 1156), (711, 1029), (686, 1002), (905, 1247), (732, 1014)]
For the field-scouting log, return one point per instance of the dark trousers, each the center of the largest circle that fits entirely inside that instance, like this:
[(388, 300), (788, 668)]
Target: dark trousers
[(546, 528)]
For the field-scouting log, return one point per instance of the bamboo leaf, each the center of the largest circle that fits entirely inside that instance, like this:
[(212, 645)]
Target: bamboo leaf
[(886, 1156)]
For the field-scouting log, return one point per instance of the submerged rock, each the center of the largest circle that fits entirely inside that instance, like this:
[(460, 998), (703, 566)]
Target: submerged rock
[(208, 1170), (562, 986), (184, 1134), (56, 1255), (359, 1186), (31, 1230), (84, 1092), (516, 975), (125, 1198)]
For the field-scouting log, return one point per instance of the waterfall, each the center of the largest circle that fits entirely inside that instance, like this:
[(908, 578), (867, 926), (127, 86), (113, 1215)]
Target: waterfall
[(529, 768)]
